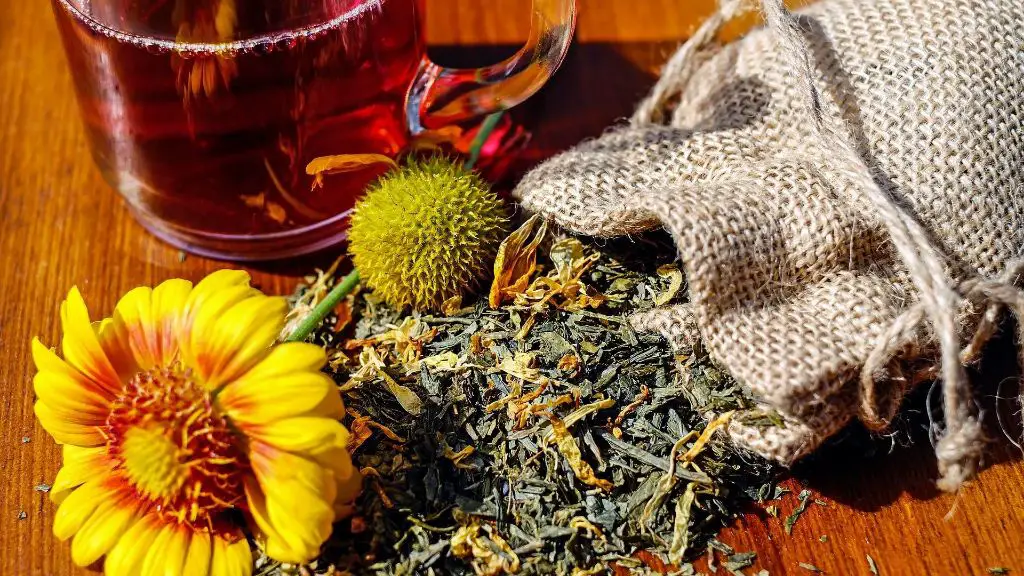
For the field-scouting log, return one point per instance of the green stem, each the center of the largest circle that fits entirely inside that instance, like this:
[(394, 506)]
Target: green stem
[(481, 138), (324, 308)]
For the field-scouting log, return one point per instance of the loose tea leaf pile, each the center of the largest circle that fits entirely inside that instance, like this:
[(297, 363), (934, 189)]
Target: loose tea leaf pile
[(542, 436)]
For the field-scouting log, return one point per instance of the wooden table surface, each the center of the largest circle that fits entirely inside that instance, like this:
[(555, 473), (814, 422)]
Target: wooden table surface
[(60, 225)]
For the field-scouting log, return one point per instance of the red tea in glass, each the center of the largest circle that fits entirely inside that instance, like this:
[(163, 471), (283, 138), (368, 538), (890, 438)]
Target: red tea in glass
[(206, 114)]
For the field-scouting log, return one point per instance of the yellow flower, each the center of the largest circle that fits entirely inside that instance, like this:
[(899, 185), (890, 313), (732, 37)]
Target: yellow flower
[(182, 420)]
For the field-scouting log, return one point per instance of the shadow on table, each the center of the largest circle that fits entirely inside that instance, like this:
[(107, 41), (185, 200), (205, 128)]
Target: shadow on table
[(597, 87), (868, 471)]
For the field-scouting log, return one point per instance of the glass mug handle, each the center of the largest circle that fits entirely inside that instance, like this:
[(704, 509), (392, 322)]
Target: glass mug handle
[(442, 96)]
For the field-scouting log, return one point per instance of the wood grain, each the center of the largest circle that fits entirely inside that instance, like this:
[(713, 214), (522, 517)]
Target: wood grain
[(60, 226)]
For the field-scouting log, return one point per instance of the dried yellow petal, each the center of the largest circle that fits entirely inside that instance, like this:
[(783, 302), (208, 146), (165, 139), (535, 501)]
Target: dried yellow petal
[(668, 479), (406, 397), (517, 260), (571, 452), (487, 552), (517, 389), (705, 436), (341, 163), (452, 305), (581, 523), (433, 139), (569, 363), (359, 432), (445, 362), (581, 413), (563, 287), (458, 457), (675, 282), (521, 366)]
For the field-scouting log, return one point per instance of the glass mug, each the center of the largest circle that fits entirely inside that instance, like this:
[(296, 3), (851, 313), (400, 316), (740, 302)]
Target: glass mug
[(206, 114)]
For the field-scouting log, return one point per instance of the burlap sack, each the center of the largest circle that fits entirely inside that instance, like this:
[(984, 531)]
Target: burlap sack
[(845, 190)]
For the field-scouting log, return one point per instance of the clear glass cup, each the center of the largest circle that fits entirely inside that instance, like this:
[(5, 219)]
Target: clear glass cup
[(207, 115)]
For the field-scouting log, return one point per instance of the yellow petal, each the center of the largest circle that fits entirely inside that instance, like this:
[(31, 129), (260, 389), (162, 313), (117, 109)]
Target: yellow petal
[(67, 432), (76, 509), (47, 361), (130, 552), (231, 558), (80, 344), (113, 340), (237, 339), (258, 401), (197, 560), (286, 383), (80, 465), (149, 319), (349, 482), (167, 553), (292, 503), (103, 530), (308, 436), (278, 545), (67, 396), (259, 523), (207, 301), (286, 359), (212, 293)]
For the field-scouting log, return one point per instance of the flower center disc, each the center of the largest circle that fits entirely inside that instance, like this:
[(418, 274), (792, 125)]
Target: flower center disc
[(174, 449)]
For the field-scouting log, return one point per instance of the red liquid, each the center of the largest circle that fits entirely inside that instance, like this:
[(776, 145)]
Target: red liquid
[(206, 142)]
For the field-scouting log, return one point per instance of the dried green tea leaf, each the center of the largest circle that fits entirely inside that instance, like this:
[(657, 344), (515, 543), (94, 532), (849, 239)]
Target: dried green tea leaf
[(809, 567), (999, 570), (665, 484), (660, 463), (681, 525), (805, 499), (871, 564), (735, 563)]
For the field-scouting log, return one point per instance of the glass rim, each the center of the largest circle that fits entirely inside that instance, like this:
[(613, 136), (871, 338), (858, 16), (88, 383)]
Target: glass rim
[(208, 47)]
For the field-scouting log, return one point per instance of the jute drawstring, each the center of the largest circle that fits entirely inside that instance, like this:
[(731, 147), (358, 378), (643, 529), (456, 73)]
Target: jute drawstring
[(961, 444)]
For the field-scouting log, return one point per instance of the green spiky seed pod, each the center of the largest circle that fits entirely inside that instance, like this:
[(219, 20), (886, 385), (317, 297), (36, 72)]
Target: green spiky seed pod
[(426, 232)]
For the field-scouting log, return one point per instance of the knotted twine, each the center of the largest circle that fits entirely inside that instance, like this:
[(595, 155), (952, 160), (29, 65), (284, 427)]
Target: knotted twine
[(939, 298)]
